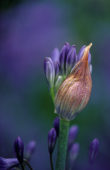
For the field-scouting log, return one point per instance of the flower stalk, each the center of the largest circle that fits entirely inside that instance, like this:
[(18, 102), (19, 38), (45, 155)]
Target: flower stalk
[(62, 145)]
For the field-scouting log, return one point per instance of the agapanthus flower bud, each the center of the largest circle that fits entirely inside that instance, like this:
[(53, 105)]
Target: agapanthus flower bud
[(49, 70), (56, 125), (72, 135), (93, 149), (8, 163), (74, 151), (74, 93), (71, 59), (52, 136), (30, 149), (55, 58), (19, 149), (63, 57)]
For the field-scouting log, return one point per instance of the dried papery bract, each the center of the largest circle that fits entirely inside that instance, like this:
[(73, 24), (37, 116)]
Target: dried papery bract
[(74, 93)]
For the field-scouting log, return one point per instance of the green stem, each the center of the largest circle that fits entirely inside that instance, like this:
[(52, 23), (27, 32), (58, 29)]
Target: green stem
[(62, 145), (52, 93), (51, 162)]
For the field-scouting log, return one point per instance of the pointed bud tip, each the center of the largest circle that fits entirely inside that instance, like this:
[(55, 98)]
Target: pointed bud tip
[(86, 52)]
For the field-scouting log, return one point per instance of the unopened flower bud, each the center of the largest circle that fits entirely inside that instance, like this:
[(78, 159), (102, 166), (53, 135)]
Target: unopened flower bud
[(93, 149), (19, 149), (63, 56), (49, 70), (56, 125), (30, 149), (72, 135), (74, 151), (74, 93), (55, 58), (71, 59), (52, 136)]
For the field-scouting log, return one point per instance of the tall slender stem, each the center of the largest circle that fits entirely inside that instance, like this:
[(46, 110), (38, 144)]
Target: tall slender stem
[(51, 162), (62, 145)]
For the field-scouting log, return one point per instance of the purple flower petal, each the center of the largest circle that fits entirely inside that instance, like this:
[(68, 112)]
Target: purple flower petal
[(74, 151), (72, 135), (52, 136), (19, 149), (63, 56), (8, 163), (49, 70)]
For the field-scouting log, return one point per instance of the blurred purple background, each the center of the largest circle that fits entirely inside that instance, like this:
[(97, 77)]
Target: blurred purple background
[(28, 33)]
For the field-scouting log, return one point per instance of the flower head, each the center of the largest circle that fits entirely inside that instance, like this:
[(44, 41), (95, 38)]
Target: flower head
[(74, 93)]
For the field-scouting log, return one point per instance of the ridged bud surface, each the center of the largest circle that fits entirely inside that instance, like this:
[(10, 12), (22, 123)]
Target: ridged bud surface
[(74, 93)]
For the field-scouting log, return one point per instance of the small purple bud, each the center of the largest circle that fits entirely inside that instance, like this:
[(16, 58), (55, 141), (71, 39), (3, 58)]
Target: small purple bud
[(74, 151), (56, 124), (19, 149), (72, 135), (8, 163), (55, 55), (80, 54), (93, 149), (63, 56), (30, 149), (49, 70), (71, 58), (55, 58), (52, 136)]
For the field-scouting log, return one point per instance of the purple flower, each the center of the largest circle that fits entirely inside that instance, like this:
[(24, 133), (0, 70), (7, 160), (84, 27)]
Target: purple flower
[(72, 135), (93, 149), (52, 136), (63, 57), (74, 151), (71, 58), (8, 163), (30, 149), (19, 149), (56, 124), (55, 58), (49, 70)]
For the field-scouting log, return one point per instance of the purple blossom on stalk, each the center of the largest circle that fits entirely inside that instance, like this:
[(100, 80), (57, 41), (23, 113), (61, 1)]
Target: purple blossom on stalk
[(74, 151), (19, 149), (52, 136), (55, 58), (20, 160), (72, 135), (56, 125), (8, 163), (49, 70), (93, 150), (30, 149)]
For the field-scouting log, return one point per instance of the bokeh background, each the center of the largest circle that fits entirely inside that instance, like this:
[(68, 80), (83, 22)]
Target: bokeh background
[(29, 31)]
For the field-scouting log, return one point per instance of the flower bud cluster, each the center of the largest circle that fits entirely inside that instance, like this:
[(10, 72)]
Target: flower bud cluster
[(21, 159), (61, 63)]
